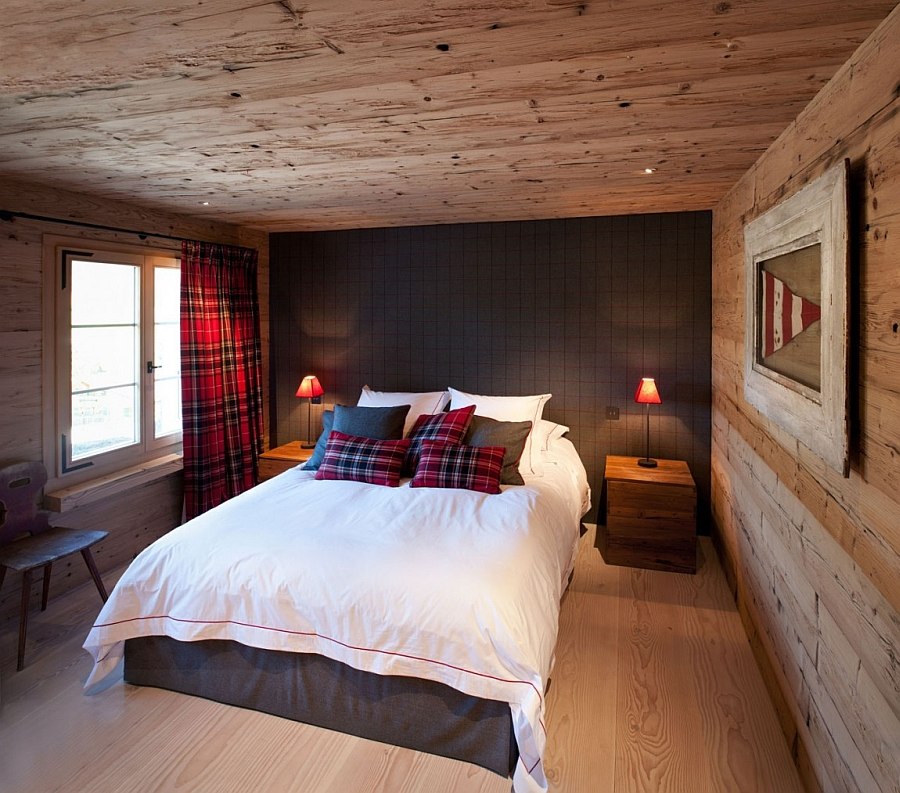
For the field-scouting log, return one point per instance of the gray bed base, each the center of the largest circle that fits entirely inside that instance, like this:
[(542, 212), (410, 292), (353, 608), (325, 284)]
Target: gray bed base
[(404, 711)]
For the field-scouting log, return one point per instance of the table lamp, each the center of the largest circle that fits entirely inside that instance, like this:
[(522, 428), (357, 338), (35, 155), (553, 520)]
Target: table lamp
[(311, 389), (647, 394)]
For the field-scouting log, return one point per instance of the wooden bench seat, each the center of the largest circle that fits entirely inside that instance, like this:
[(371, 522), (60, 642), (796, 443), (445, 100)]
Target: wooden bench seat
[(28, 542)]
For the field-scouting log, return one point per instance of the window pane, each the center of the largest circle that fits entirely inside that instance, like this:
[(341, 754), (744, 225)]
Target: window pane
[(104, 294), (167, 417), (111, 392), (167, 351), (104, 357), (105, 337), (104, 420), (167, 294)]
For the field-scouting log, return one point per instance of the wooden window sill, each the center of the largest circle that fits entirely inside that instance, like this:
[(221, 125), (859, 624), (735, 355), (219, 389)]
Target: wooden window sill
[(69, 498)]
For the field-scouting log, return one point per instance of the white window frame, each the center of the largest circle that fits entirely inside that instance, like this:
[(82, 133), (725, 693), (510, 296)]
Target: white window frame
[(57, 362)]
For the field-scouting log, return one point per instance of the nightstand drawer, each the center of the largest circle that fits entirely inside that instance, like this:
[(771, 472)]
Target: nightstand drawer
[(270, 468), (650, 502), (282, 458)]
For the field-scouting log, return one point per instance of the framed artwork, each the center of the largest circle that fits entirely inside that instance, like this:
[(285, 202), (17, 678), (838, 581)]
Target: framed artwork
[(795, 335)]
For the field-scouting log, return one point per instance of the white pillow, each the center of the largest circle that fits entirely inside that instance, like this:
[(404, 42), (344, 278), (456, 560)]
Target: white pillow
[(546, 432), (425, 402), (505, 408)]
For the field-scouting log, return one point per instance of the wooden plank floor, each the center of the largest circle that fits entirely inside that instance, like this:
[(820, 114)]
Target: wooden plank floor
[(654, 689)]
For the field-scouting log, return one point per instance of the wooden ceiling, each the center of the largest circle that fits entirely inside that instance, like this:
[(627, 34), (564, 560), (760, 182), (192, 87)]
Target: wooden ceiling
[(298, 115)]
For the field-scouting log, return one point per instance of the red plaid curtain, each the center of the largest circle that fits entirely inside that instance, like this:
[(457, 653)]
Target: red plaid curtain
[(221, 380)]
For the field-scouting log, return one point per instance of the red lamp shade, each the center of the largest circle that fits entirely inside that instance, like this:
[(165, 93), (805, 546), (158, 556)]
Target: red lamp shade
[(310, 387), (646, 393)]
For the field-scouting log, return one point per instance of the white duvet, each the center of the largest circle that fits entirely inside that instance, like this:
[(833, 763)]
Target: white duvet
[(450, 585)]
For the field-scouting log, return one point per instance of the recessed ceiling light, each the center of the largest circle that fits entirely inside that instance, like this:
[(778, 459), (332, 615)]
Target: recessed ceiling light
[(204, 203), (649, 170)]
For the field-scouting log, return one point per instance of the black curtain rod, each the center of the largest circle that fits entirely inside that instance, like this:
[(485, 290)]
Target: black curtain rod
[(9, 216)]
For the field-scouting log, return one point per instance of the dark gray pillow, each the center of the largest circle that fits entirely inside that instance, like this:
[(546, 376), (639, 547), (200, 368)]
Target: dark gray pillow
[(509, 434), (383, 424)]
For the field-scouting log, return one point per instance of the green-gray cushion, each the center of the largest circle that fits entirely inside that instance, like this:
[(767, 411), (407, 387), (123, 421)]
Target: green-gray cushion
[(511, 435)]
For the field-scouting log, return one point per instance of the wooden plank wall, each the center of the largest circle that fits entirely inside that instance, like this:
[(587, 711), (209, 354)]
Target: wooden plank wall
[(136, 517), (814, 558)]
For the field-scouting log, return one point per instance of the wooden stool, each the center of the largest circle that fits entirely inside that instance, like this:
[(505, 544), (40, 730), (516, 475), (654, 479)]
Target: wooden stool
[(27, 541)]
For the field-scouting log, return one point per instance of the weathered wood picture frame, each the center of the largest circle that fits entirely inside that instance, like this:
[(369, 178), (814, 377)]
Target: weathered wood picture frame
[(796, 314)]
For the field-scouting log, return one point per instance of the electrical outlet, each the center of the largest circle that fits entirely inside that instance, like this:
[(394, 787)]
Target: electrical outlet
[(612, 413)]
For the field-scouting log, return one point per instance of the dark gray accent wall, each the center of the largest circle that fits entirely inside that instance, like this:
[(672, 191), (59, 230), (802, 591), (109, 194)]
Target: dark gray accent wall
[(581, 308)]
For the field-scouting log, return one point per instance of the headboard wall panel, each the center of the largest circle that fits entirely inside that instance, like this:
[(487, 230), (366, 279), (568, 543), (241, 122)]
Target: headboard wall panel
[(581, 308)]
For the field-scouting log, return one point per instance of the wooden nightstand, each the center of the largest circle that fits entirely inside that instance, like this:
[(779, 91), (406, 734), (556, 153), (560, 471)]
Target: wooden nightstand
[(651, 515), (279, 459)]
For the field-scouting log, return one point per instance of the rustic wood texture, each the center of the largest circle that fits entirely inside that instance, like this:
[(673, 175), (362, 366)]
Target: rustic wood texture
[(48, 546), (683, 671), (655, 690), (133, 519), (296, 116), (42, 550), (651, 515), (102, 488), (280, 459), (819, 416), (139, 515), (667, 472), (814, 559)]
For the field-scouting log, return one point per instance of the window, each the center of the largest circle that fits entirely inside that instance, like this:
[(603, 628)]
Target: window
[(117, 358)]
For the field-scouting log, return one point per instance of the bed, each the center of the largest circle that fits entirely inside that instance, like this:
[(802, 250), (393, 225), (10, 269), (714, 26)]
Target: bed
[(420, 617)]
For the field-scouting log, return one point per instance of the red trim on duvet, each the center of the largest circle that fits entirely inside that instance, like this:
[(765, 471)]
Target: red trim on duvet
[(339, 642)]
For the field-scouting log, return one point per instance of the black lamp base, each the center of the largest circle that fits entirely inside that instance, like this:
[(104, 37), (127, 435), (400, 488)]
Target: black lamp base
[(308, 444), (646, 462)]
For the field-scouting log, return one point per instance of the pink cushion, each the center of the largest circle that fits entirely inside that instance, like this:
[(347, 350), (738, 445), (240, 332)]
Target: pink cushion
[(363, 459), (452, 465)]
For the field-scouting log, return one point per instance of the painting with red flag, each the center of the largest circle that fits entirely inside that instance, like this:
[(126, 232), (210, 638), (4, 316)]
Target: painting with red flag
[(785, 315)]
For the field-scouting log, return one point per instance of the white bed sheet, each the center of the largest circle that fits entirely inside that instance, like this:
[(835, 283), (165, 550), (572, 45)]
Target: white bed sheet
[(449, 585)]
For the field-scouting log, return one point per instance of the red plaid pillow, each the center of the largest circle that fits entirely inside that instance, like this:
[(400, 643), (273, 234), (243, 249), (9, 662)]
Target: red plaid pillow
[(449, 427), (363, 459), (469, 467)]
